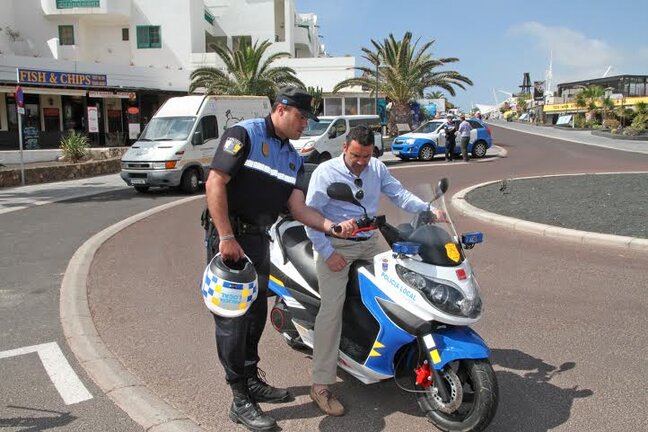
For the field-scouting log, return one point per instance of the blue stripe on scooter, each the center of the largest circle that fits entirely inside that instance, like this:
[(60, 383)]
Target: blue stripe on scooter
[(389, 335)]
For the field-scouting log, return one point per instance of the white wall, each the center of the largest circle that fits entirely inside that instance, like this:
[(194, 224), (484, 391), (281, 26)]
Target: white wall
[(118, 75)]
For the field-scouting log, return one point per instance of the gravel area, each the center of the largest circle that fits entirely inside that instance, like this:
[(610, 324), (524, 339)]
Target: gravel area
[(603, 203)]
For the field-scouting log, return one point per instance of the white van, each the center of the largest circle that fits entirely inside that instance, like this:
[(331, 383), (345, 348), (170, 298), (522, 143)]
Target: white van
[(322, 141), (178, 144)]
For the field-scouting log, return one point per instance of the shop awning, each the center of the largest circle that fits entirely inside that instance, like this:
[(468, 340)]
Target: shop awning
[(45, 90)]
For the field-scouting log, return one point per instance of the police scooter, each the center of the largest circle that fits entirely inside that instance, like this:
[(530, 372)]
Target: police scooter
[(406, 313)]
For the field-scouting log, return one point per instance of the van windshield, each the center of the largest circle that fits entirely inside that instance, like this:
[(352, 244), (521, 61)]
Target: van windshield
[(316, 129), (168, 129)]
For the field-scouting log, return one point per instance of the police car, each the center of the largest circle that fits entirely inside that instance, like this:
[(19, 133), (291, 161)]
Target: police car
[(429, 139)]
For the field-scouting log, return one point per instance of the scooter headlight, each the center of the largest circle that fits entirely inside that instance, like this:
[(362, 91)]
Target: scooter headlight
[(440, 294)]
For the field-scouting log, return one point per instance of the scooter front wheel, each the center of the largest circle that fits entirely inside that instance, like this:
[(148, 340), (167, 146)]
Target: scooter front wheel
[(473, 391)]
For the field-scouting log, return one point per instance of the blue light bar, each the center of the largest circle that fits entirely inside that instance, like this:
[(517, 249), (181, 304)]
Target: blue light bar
[(472, 238), (406, 248)]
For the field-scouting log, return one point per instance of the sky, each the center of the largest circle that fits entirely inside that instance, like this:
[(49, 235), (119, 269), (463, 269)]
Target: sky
[(497, 41)]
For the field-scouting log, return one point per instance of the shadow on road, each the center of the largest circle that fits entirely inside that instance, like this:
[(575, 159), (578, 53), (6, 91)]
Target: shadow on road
[(33, 424), (528, 400)]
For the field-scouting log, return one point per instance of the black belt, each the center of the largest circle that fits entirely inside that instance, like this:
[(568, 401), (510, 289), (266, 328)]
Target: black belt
[(355, 239), (239, 227)]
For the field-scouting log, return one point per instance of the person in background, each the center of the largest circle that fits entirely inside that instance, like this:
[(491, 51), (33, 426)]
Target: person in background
[(464, 134), (451, 140), (255, 173)]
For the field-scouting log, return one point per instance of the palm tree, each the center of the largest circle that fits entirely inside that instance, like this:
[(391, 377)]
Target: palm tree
[(435, 95), (246, 73), (405, 72)]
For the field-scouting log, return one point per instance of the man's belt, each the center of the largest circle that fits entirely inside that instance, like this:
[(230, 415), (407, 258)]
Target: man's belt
[(239, 227), (355, 239)]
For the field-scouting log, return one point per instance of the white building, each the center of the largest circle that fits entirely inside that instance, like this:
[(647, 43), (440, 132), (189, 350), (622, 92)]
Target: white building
[(105, 66)]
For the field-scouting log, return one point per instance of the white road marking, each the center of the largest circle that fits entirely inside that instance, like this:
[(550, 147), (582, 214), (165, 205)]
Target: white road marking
[(59, 370)]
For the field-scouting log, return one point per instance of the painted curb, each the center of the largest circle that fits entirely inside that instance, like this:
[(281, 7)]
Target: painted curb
[(565, 234), (109, 374)]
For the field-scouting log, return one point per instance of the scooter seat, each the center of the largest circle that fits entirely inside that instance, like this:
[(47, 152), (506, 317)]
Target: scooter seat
[(299, 251)]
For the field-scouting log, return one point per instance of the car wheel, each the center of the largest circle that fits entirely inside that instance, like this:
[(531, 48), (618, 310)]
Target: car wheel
[(426, 153), (142, 189), (323, 157), (479, 149), (190, 181)]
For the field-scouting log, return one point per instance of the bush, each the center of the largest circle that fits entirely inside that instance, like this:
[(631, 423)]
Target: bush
[(592, 124), (631, 131), (74, 146), (639, 121), (579, 122), (611, 123)]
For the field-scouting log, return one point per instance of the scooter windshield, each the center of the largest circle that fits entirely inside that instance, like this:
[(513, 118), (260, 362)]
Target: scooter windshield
[(438, 240)]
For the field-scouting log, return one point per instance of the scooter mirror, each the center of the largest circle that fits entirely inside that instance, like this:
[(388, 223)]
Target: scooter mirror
[(341, 192), (441, 188)]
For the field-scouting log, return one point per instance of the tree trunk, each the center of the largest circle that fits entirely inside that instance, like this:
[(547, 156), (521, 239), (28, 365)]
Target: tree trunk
[(400, 113)]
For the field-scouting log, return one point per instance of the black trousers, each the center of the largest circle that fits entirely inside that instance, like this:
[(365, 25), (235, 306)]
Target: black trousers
[(237, 339), (450, 147)]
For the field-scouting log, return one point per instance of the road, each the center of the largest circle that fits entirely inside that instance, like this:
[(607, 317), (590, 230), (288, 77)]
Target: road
[(37, 243), (566, 323)]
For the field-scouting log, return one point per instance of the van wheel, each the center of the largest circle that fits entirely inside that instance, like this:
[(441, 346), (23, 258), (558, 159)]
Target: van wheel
[(376, 152), (323, 157), (427, 152), (190, 181), (142, 189)]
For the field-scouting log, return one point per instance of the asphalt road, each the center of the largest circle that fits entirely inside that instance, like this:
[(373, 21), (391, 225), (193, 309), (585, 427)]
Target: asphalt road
[(566, 323), (37, 243)]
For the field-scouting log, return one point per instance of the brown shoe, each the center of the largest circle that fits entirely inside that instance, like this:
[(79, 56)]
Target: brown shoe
[(327, 402)]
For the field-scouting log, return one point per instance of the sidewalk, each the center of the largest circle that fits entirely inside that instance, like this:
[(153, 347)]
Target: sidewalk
[(581, 137)]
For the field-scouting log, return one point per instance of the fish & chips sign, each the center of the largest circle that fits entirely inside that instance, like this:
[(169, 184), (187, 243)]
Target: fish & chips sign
[(44, 77)]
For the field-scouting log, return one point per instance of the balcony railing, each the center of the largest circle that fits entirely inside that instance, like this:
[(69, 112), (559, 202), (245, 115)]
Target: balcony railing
[(117, 9)]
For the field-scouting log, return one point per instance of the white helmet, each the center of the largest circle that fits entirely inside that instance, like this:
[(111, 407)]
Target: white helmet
[(229, 292)]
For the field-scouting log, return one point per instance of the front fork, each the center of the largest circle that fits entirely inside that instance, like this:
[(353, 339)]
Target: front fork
[(428, 346)]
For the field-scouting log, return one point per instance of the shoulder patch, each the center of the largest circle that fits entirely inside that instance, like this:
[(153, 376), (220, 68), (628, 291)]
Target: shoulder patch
[(232, 145)]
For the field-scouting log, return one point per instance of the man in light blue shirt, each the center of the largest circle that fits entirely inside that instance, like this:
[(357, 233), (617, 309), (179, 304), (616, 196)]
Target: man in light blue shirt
[(464, 133), (368, 178)]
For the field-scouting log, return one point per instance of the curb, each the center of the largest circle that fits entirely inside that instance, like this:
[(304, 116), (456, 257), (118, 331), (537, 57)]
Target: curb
[(126, 390), (554, 232)]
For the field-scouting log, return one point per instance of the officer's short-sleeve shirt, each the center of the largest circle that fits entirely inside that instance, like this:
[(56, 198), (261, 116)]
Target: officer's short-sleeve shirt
[(254, 196)]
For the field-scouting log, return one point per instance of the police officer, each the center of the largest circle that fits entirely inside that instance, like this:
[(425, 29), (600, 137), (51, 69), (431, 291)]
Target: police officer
[(255, 174)]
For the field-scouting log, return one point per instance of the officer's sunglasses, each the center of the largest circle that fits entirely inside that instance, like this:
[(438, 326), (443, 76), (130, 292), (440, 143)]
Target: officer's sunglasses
[(358, 183)]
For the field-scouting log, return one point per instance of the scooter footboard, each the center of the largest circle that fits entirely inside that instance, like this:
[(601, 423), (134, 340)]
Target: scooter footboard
[(456, 343)]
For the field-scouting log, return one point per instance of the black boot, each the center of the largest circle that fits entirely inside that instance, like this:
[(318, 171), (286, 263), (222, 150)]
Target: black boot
[(246, 411), (261, 391)]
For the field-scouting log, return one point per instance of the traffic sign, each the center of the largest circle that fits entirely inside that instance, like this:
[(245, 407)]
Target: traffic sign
[(20, 98)]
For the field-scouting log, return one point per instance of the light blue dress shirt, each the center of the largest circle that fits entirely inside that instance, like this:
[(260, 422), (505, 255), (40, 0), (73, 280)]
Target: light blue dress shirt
[(376, 178)]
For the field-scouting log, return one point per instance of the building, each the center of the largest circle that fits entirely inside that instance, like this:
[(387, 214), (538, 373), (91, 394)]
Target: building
[(623, 90), (104, 66)]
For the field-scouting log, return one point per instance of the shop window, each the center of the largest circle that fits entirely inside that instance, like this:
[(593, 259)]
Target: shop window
[(332, 106), (51, 119), (125, 34), (149, 37), (367, 106), (66, 35), (351, 105)]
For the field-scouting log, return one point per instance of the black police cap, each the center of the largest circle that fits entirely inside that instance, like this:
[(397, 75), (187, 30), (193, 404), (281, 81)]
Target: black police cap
[(298, 98)]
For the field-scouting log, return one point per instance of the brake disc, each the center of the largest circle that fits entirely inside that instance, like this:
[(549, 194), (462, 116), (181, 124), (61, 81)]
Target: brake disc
[(456, 393)]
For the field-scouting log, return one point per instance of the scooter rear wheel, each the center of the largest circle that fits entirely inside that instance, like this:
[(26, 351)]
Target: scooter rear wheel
[(478, 397)]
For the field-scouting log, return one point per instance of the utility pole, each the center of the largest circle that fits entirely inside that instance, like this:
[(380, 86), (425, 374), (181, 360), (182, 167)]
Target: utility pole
[(20, 107)]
